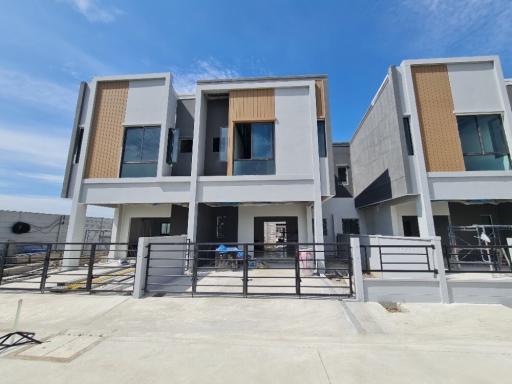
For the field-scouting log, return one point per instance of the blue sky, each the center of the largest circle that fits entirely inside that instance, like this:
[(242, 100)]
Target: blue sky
[(48, 47)]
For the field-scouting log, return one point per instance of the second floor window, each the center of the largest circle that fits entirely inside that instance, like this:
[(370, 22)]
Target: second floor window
[(322, 146), (254, 149), (140, 152), (483, 143), (342, 175)]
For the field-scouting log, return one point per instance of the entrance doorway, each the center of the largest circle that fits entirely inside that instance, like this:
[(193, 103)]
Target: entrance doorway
[(148, 227), (275, 232)]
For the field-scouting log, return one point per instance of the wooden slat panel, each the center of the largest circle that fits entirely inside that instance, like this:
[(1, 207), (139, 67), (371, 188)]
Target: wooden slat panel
[(106, 140), (248, 105), (439, 131), (320, 98)]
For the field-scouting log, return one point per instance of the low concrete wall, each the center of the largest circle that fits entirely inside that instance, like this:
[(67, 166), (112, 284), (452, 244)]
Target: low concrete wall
[(165, 259), (408, 287)]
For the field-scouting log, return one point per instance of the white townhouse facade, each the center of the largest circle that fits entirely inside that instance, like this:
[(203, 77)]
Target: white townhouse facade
[(238, 157), (433, 149)]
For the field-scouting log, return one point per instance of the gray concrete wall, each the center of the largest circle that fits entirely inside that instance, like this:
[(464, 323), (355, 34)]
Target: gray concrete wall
[(185, 123), (378, 148), (216, 118)]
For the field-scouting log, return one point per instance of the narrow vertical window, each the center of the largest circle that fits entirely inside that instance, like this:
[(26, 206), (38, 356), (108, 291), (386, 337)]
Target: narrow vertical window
[(322, 146), (408, 138), (78, 144)]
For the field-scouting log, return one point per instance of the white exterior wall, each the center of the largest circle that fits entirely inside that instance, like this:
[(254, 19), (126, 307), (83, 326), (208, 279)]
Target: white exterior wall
[(246, 215), (146, 102), (293, 144), (334, 210)]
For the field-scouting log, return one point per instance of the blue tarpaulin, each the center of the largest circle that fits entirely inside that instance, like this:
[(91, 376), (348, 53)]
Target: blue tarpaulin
[(222, 249)]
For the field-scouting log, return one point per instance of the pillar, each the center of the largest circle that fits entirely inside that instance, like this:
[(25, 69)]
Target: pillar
[(75, 234)]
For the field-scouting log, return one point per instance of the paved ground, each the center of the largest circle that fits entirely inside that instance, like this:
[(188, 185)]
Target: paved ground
[(113, 339)]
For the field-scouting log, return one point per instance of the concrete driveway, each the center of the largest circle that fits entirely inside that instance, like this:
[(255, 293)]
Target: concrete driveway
[(112, 339)]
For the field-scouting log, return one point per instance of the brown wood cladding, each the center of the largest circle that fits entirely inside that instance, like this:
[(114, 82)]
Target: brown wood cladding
[(438, 124), (320, 98), (246, 105), (106, 140)]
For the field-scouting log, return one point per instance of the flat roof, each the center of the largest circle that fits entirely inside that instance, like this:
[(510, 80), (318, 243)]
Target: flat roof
[(264, 78)]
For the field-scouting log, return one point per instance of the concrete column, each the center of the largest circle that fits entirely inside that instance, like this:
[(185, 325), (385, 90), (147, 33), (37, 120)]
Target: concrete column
[(192, 221), (114, 238), (425, 217), (319, 235), (357, 268), (140, 270), (75, 234), (439, 264)]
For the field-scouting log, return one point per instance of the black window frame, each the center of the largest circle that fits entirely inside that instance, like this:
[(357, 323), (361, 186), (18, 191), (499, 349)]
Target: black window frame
[(483, 152), (250, 123), (347, 228), (322, 145), (340, 182), (143, 127), (408, 137)]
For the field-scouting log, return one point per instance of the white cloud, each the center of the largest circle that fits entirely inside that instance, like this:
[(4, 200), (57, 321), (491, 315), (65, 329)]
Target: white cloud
[(47, 177), (184, 80), (446, 26), (47, 204), (34, 148), (18, 86), (94, 11)]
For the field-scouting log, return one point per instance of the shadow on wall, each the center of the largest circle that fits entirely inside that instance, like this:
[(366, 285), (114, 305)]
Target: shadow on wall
[(377, 191)]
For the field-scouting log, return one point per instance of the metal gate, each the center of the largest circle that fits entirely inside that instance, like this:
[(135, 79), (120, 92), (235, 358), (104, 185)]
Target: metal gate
[(249, 269)]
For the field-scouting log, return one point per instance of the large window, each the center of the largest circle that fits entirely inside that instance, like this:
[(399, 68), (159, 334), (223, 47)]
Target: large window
[(254, 149), (483, 143), (140, 152), (322, 146)]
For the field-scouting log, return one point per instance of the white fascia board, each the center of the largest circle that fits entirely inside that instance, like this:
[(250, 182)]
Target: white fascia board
[(143, 76), (253, 85), (450, 60), (256, 178), (139, 180), (470, 174)]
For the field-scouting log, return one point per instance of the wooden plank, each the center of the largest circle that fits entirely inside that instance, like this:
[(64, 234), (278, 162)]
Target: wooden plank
[(438, 123), (107, 131), (320, 98)]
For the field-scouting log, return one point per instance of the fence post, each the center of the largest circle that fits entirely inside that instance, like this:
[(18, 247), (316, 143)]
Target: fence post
[(441, 275), (46, 264), (3, 258), (194, 270), (297, 272), (90, 269), (245, 278), (355, 250), (141, 268)]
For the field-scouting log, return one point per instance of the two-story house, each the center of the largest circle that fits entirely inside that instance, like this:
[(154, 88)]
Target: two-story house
[(433, 149), (228, 164)]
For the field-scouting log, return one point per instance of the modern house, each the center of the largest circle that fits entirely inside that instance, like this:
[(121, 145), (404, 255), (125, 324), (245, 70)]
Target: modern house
[(433, 149), (239, 161)]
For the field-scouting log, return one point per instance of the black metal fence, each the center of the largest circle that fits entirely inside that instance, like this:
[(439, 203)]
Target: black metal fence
[(303, 269), (478, 259), (87, 267), (399, 258)]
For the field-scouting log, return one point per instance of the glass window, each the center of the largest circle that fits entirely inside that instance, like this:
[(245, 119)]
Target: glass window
[(322, 147), (254, 149), (78, 145), (483, 143), (140, 152), (186, 145), (350, 226), (408, 138), (342, 176), (223, 155), (324, 226), (216, 144), (165, 229)]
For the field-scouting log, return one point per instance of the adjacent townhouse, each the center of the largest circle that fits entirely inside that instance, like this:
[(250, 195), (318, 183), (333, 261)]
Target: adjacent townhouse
[(238, 161), (432, 153)]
